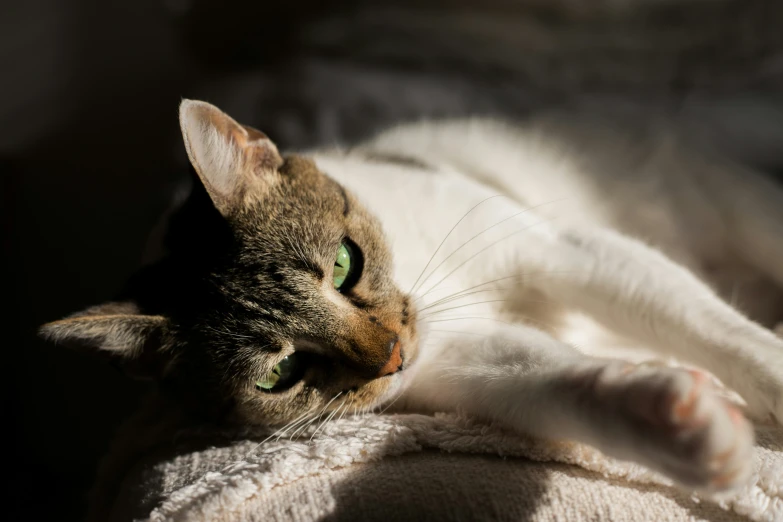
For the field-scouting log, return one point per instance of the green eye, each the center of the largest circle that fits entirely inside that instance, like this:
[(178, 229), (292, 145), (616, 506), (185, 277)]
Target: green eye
[(282, 376), (342, 265)]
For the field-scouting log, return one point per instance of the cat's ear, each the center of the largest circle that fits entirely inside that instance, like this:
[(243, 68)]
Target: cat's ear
[(236, 163), (136, 342)]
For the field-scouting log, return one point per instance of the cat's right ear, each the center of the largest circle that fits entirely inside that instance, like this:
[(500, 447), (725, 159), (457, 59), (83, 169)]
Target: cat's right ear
[(237, 164), (135, 342)]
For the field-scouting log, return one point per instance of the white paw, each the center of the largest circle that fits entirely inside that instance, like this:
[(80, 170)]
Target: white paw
[(677, 424)]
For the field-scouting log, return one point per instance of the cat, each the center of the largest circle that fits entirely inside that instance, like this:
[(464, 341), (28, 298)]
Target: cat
[(435, 267)]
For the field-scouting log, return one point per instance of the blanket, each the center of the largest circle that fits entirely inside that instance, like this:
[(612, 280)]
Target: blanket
[(417, 467), (408, 467)]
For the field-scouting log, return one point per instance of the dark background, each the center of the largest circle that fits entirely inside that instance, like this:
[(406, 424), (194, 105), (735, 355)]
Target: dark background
[(90, 151)]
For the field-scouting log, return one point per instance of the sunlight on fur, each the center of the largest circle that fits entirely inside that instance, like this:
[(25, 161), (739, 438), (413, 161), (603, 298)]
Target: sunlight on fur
[(486, 268)]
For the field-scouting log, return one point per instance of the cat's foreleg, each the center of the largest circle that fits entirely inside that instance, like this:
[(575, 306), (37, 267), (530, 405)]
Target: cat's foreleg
[(640, 293), (668, 419)]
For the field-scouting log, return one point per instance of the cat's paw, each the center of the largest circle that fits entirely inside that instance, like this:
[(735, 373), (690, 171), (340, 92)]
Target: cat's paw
[(678, 424), (778, 329)]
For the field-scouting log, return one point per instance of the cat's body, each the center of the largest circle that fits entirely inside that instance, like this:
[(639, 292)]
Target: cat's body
[(640, 179), (567, 187), (497, 233)]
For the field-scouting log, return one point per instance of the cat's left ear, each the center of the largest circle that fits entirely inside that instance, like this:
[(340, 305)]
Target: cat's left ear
[(237, 164), (119, 332)]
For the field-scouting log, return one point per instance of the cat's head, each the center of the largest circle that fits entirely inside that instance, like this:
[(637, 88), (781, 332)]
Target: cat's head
[(281, 301)]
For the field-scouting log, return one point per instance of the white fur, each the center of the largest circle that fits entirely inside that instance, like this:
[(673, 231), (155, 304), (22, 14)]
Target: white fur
[(629, 226)]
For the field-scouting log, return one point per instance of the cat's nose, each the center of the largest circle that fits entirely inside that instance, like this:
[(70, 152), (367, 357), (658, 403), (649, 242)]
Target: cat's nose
[(394, 363)]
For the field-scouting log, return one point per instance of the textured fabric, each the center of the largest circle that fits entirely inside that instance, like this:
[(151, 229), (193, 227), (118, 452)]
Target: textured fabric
[(415, 467)]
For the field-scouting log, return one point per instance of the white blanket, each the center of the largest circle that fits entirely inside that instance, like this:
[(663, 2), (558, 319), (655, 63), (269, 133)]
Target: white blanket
[(406, 468), (415, 467)]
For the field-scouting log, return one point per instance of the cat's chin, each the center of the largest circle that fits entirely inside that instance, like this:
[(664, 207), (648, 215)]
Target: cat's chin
[(399, 382), (395, 388)]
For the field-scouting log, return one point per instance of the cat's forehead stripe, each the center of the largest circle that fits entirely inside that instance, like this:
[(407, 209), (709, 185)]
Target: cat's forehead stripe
[(343, 194), (346, 203), (397, 159)]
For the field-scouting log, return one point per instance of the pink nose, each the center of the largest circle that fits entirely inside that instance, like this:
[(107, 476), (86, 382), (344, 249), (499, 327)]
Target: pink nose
[(395, 362)]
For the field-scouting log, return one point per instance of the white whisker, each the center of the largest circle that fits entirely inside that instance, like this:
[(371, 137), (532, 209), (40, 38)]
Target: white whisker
[(466, 243), (413, 288), (283, 429), (305, 425), (307, 418), (441, 320), (346, 410), (440, 311), (315, 418), (390, 404), (466, 290), (458, 332), (328, 418), (481, 252)]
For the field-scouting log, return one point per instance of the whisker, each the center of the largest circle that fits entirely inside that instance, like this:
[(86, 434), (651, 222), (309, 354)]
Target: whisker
[(399, 394), (279, 431), (328, 418), (436, 312), (346, 410), (507, 300), (390, 404), (462, 293), (435, 303), (284, 428), (304, 426), (307, 420), (441, 320), (323, 422), (466, 243), (457, 297), (315, 418), (531, 320), (481, 252), (458, 332), (449, 234)]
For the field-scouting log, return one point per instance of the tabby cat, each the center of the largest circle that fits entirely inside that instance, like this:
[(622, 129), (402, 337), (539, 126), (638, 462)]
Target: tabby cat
[(440, 266)]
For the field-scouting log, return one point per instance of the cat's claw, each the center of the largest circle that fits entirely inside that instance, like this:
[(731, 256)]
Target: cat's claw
[(680, 425)]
